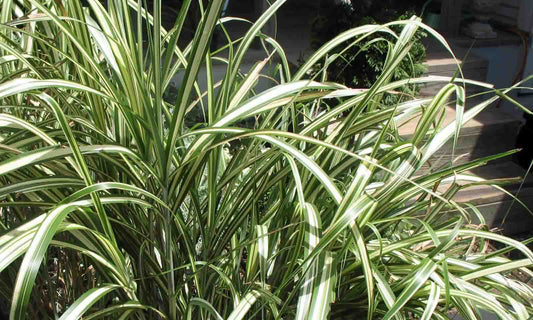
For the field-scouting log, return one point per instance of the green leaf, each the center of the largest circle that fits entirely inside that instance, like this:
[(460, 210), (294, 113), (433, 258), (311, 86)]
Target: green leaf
[(83, 303), (206, 306), (34, 255), (415, 282), (16, 86), (433, 301), (324, 291), (244, 305)]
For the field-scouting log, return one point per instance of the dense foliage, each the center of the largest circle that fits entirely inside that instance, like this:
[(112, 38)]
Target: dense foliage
[(111, 206), (361, 64)]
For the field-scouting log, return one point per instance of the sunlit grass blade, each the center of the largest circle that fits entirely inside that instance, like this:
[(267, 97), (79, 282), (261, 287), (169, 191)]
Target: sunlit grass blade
[(83, 303)]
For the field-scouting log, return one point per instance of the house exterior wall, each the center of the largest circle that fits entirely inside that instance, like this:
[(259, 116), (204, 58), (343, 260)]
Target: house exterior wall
[(504, 63), (517, 13), (525, 17)]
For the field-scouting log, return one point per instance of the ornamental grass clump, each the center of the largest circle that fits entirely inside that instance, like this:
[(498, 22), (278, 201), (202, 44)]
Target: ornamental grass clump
[(111, 206)]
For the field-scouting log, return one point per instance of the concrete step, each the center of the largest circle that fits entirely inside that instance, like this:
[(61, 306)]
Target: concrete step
[(441, 63), (490, 132), (499, 208)]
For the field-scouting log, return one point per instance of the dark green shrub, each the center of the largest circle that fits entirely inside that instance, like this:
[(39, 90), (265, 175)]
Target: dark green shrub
[(362, 63)]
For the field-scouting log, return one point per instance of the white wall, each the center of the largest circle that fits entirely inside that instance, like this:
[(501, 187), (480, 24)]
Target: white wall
[(503, 65)]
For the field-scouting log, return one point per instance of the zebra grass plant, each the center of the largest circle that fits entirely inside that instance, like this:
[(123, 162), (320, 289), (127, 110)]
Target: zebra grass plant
[(112, 207)]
